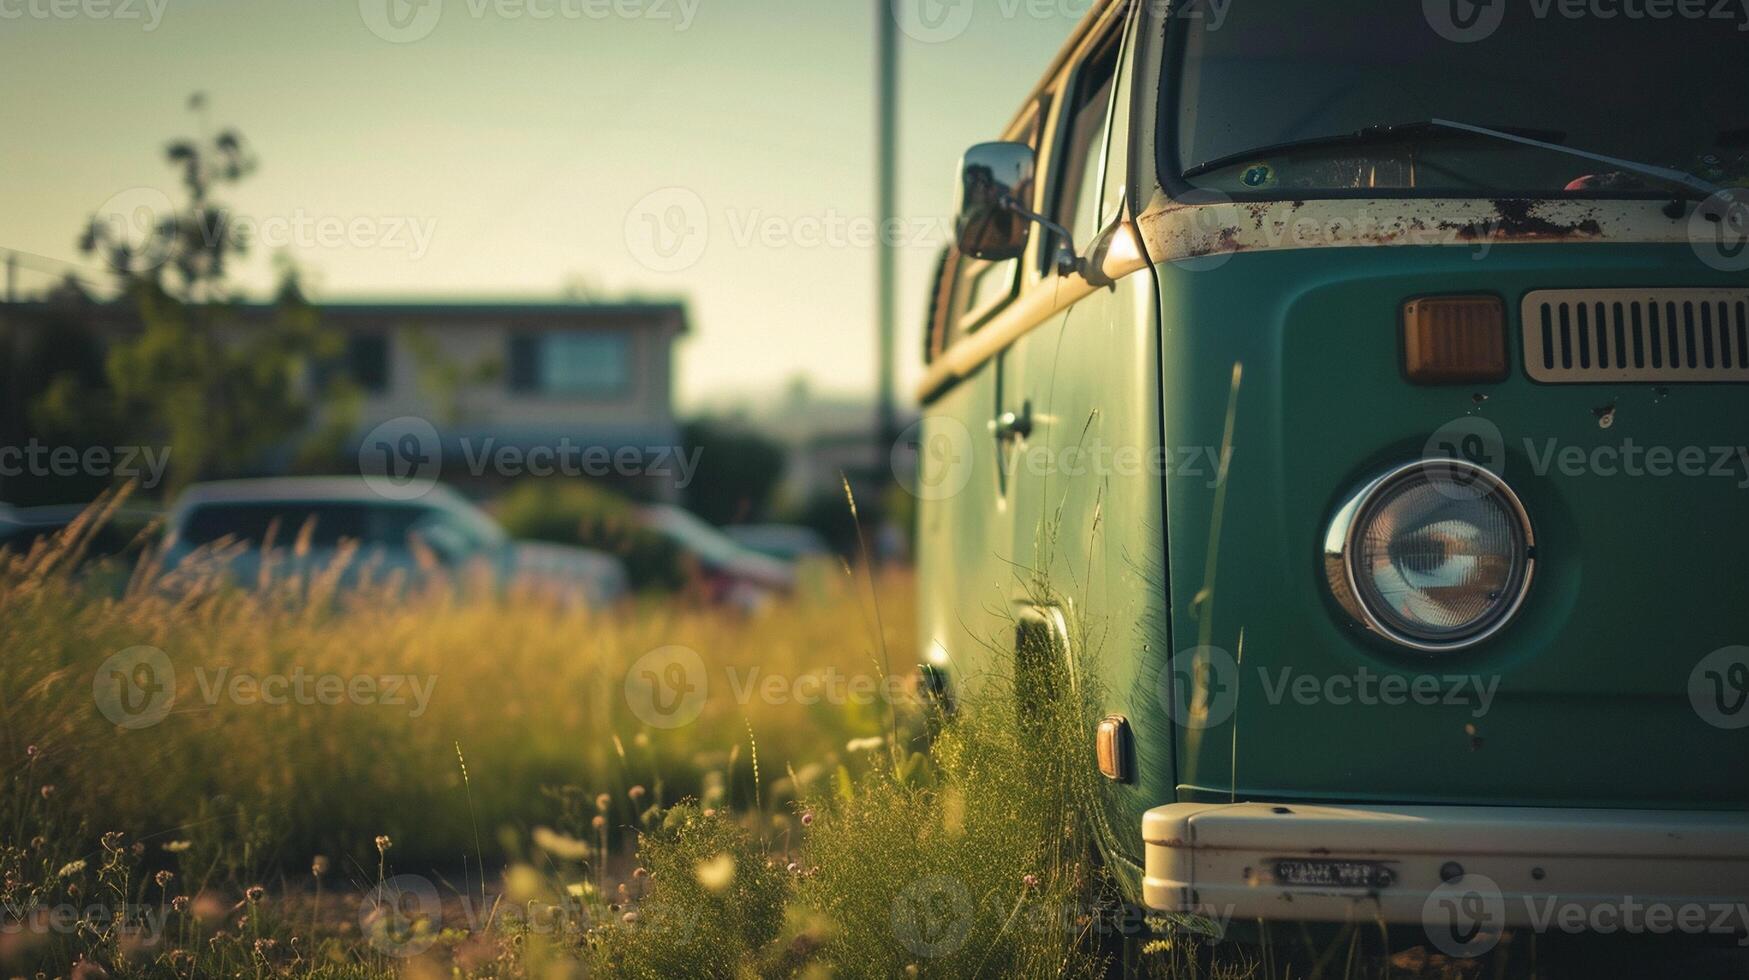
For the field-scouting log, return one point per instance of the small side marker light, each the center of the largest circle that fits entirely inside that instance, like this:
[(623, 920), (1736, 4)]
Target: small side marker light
[(1112, 745)]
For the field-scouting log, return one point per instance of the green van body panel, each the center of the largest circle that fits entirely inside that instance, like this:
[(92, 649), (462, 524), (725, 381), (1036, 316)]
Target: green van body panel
[(1635, 579)]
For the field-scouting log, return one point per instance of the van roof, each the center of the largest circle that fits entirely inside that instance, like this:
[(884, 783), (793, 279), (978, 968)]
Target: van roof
[(1095, 11)]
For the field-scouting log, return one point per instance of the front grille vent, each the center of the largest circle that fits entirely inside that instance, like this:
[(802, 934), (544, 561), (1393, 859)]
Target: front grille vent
[(1647, 335)]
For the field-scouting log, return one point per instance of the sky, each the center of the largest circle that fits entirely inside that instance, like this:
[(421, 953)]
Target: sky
[(717, 150)]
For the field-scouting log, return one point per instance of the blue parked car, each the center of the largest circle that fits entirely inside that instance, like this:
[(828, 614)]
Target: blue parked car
[(299, 527)]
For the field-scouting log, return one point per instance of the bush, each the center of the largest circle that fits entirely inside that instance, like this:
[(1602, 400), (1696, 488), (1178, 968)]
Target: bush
[(715, 903), (738, 471), (575, 512)]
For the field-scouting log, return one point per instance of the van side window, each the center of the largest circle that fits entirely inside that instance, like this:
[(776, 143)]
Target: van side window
[(1117, 145), (1078, 168), (942, 329)]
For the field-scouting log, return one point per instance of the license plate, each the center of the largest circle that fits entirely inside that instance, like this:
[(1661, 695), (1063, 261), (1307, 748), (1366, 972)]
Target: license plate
[(1333, 874)]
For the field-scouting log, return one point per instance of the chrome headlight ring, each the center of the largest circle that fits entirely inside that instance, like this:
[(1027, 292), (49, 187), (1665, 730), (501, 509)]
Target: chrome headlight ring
[(1464, 486)]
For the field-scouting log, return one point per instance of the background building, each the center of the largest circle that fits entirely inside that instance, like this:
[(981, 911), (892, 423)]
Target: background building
[(495, 379)]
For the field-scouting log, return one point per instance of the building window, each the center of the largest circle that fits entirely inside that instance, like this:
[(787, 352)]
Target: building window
[(577, 363), (367, 361)]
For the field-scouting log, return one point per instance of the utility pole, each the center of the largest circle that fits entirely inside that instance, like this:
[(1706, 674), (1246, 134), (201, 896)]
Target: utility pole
[(11, 410), (887, 99)]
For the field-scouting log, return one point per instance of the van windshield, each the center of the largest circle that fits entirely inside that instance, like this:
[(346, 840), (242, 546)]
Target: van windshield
[(1278, 98)]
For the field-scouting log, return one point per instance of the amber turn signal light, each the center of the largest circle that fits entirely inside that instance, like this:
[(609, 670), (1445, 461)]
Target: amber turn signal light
[(1454, 339), (1112, 748)]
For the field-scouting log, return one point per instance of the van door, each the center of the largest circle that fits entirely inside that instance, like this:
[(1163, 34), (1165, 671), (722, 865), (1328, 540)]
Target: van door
[(1073, 176), (1088, 508), (964, 484)]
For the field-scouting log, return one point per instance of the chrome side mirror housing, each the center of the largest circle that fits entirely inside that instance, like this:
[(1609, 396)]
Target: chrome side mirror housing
[(992, 220)]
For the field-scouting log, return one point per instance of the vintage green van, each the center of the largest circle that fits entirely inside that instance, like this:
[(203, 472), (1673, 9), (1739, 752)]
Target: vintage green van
[(1373, 380)]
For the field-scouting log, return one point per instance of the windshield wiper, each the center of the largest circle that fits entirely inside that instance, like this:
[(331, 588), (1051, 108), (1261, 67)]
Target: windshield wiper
[(1693, 186), (1369, 134), (1675, 178)]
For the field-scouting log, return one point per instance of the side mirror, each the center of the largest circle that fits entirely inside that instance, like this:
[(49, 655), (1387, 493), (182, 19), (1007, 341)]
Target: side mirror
[(992, 176), (992, 218)]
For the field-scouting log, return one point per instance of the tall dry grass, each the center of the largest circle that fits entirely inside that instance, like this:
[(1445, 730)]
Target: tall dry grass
[(529, 692)]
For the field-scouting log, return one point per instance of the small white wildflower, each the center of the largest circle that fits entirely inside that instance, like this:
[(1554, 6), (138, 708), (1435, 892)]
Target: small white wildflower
[(717, 873), (560, 845)]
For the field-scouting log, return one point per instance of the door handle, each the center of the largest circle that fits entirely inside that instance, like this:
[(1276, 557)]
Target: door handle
[(1010, 426)]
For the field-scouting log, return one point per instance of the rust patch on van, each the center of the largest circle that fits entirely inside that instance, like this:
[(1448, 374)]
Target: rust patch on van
[(1186, 229), (1520, 219)]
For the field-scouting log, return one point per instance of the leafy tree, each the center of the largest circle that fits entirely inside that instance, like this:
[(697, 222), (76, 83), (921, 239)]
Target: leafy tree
[(447, 379), (221, 391)]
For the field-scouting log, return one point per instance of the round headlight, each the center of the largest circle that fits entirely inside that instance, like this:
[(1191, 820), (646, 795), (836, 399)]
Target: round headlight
[(1435, 555)]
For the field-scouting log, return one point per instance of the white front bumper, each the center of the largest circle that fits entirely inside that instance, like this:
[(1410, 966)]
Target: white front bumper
[(1248, 861)]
